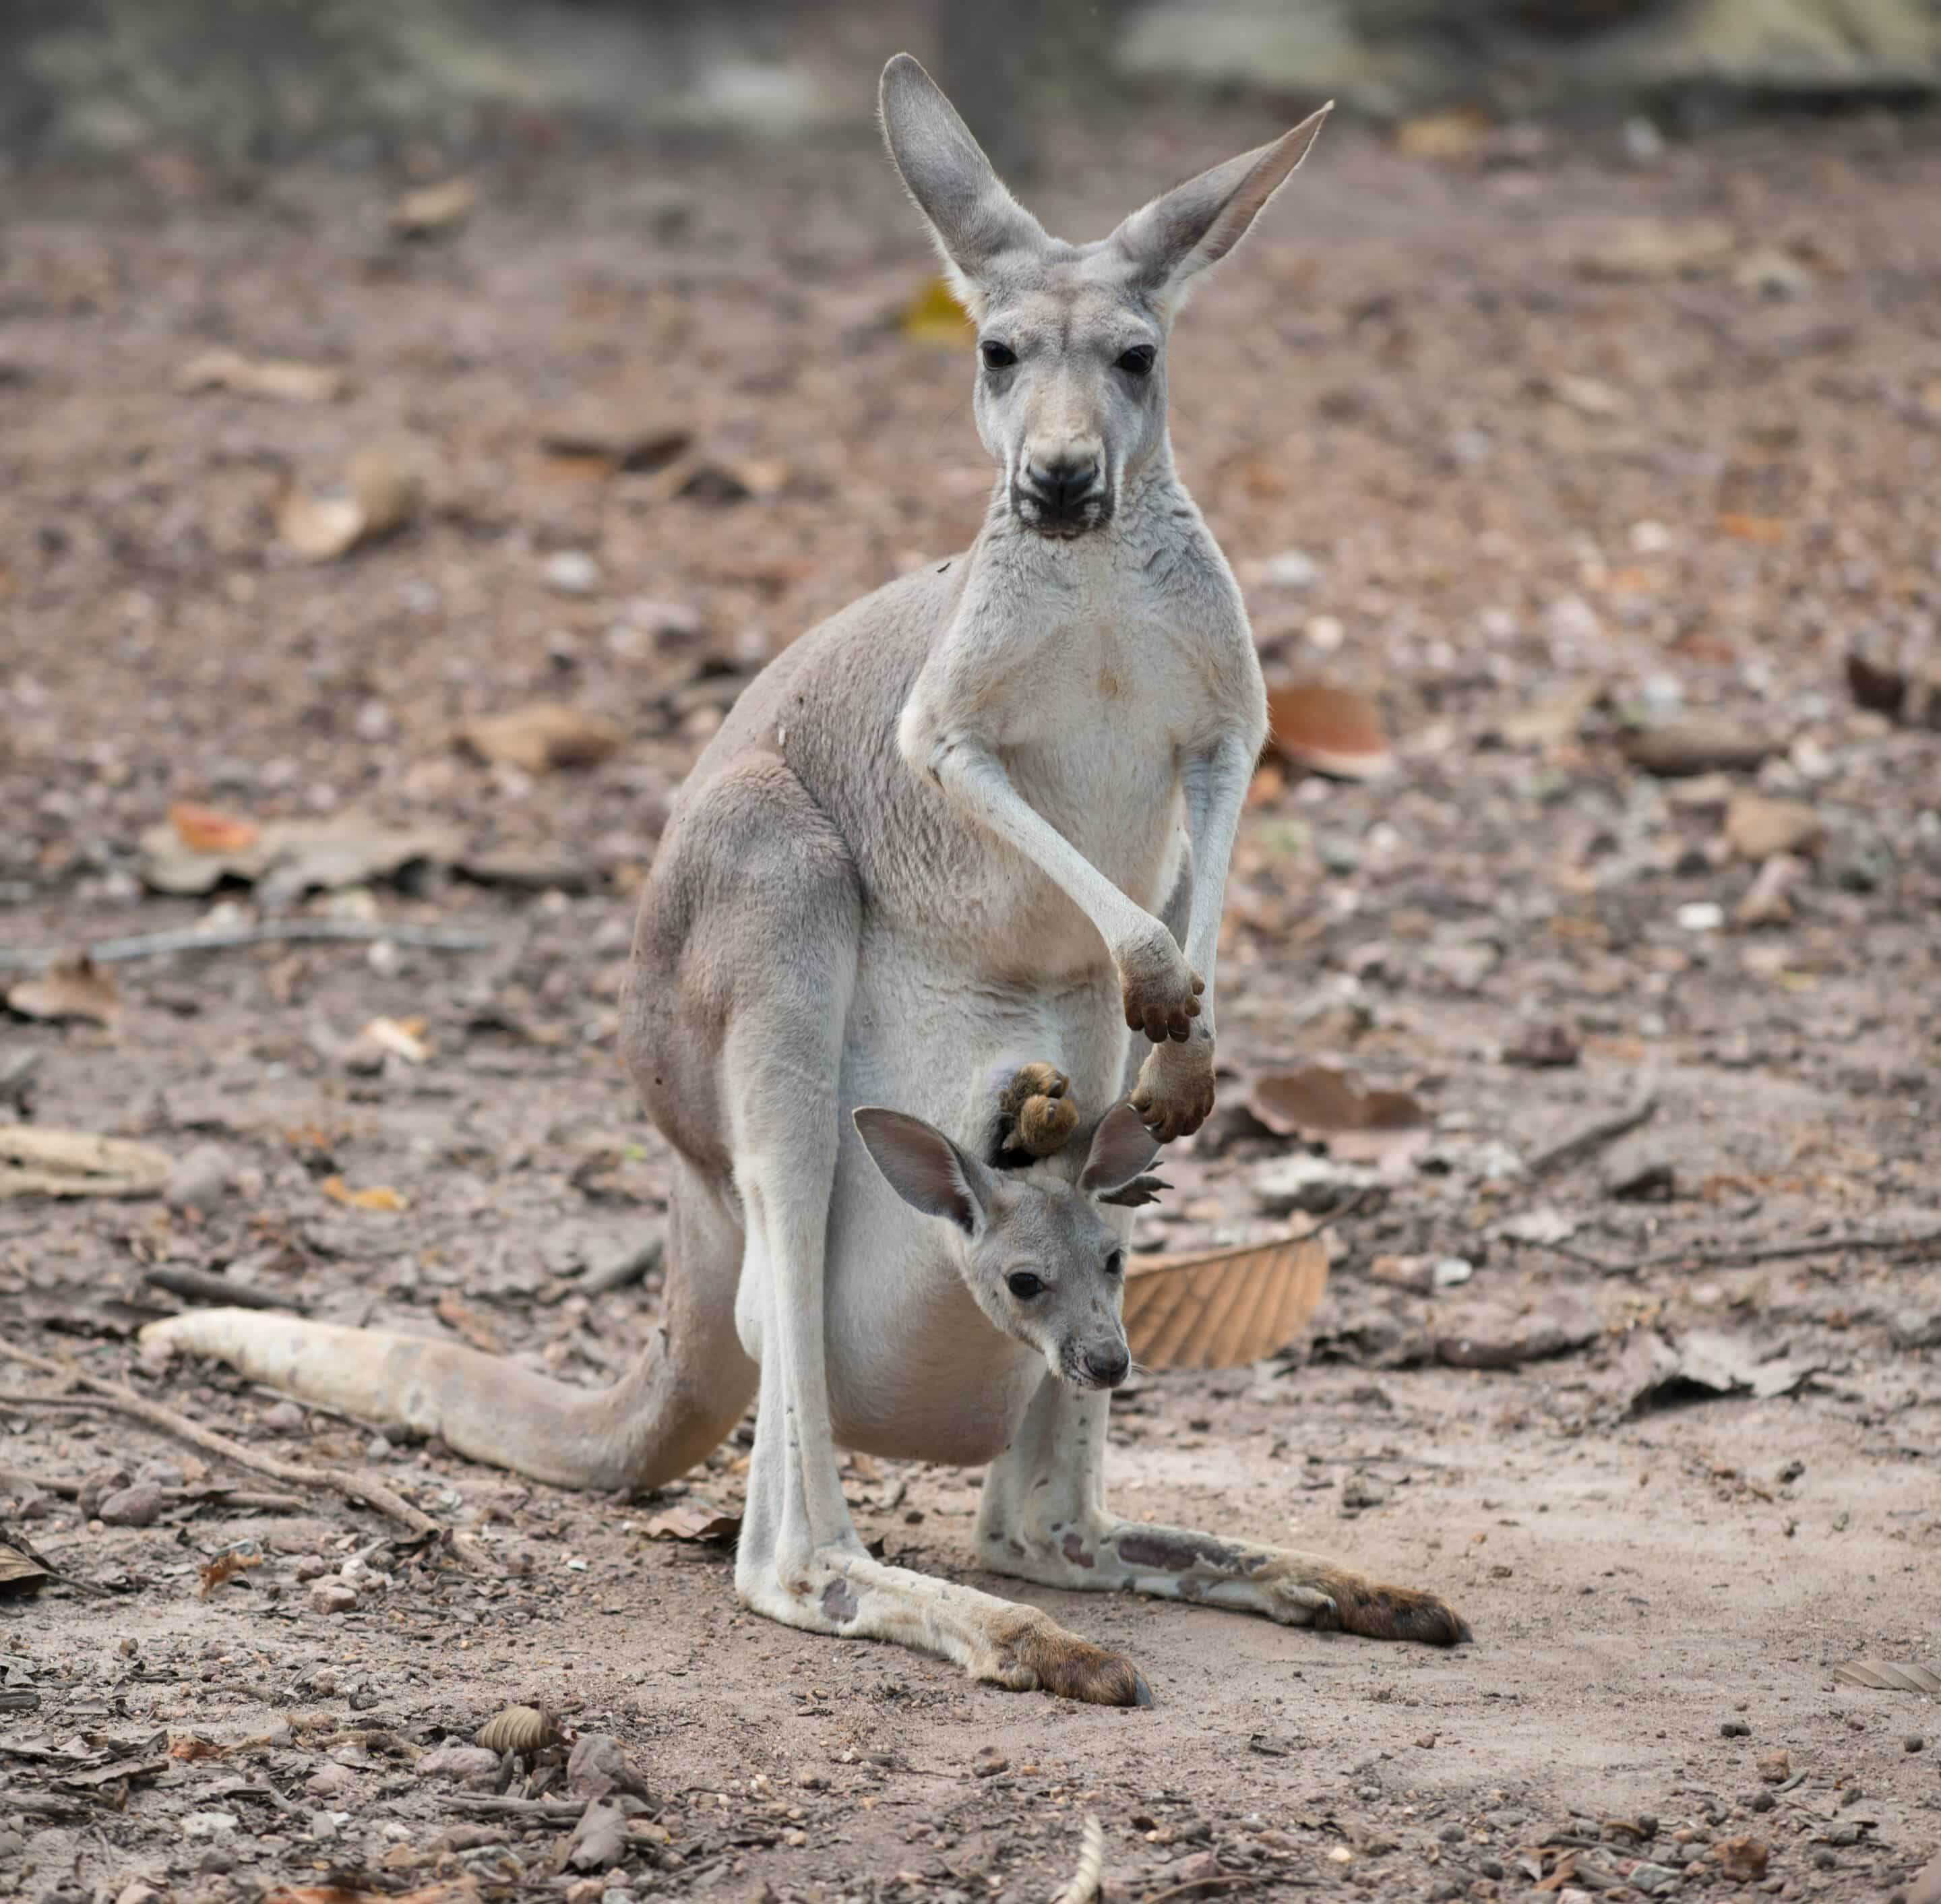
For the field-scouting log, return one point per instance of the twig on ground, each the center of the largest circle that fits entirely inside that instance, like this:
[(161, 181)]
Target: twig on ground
[(1193, 1887), (267, 932), (1594, 1136), (1735, 1255), (14, 1477), (245, 1500), (198, 1285), (628, 1270), (1085, 1880), (552, 1810), (361, 1490)]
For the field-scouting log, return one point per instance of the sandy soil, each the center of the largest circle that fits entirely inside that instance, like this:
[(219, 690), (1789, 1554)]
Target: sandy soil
[(1521, 482)]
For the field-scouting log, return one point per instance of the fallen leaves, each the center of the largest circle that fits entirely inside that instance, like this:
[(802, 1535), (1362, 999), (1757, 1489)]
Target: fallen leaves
[(1323, 1105), (456, 1890), (1757, 827), (1651, 249), (1707, 1364), (607, 433), (293, 857), (376, 498), (1329, 730), (35, 1161), (379, 1197), (542, 737), (210, 830), (434, 211), (280, 380), (75, 988), (1223, 1308), (1884, 1677), (697, 1521), (19, 1576)]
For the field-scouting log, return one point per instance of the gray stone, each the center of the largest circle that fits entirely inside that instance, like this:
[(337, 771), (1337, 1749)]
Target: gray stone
[(132, 1507)]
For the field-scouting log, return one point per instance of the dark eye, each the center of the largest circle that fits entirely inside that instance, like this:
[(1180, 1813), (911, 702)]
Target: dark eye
[(1024, 1285), (1136, 362), (1115, 1262), (996, 356)]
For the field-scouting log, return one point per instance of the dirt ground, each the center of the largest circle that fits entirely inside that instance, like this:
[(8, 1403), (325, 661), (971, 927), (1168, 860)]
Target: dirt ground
[(1552, 473)]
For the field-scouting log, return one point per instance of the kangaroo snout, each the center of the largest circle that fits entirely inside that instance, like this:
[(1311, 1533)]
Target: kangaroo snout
[(1061, 492), (1106, 1368)]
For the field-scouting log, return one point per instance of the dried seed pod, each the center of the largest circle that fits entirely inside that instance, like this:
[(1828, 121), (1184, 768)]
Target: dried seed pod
[(523, 1730)]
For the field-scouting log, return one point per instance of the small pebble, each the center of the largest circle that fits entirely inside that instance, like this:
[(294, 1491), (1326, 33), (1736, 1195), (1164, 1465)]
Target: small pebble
[(132, 1507), (573, 572), (1824, 1860), (285, 1418), (332, 1596), (989, 1762), (1735, 1728), (1913, 1742)]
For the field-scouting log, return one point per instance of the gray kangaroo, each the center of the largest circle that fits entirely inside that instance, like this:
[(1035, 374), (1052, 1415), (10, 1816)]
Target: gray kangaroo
[(964, 825)]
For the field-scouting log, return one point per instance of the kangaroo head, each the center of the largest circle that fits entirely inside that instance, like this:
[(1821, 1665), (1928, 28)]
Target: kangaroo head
[(1043, 1262), (1071, 391)]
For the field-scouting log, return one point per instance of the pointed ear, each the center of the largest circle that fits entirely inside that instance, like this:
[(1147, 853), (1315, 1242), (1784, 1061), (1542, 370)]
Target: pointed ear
[(1195, 224), (928, 1172), (972, 217), (1122, 1146)]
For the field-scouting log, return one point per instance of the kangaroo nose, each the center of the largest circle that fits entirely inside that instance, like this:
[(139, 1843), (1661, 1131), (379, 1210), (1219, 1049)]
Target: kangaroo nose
[(1106, 1367), (1063, 483)]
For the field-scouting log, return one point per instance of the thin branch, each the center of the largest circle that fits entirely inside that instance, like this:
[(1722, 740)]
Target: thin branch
[(198, 1285), (1594, 1136), (361, 1490), (1736, 1255), (266, 932)]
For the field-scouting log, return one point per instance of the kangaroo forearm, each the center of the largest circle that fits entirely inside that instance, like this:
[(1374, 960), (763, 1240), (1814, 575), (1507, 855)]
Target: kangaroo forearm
[(1216, 790)]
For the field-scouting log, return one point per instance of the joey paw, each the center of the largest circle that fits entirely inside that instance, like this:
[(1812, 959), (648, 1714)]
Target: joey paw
[(1174, 1095), (1036, 1111), (1159, 990)]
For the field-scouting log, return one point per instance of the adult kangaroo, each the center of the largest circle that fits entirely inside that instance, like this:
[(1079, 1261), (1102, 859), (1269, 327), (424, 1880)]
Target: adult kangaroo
[(963, 827)]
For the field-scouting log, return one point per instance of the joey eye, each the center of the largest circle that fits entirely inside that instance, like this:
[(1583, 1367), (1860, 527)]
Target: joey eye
[(1136, 362), (996, 356), (1024, 1285), (1115, 1262)]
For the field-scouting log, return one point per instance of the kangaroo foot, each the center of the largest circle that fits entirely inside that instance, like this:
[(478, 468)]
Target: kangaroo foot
[(1174, 1097), (1036, 1114)]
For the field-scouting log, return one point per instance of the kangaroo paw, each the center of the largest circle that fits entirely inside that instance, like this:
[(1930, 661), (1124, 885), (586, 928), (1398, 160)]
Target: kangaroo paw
[(1061, 1663), (1036, 1114)]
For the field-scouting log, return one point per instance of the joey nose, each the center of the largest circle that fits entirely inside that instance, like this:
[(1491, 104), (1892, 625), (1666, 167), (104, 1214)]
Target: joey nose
[(1063, 483), (1106, 1367)]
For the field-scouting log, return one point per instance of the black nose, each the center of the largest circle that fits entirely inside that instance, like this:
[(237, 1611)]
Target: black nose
[(1063, 485), (1106, 1367)]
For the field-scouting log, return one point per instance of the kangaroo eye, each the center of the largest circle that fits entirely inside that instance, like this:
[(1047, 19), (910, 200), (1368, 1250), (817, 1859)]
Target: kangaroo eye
[(996, 356), (1024, 1285), (1115, 1262), (1136, 362)]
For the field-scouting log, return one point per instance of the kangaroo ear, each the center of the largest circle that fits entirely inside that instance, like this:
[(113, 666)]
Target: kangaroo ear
[(1122, 1146), (974, 219), (928, 1172), (1195, 224)]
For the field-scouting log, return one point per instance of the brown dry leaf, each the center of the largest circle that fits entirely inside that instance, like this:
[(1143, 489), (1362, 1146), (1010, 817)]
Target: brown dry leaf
[(1553, 720), (76, 1163), (1328, 730), (345, 849), (225, 1567), (404, 1038), (192, 1746), (933, 317), (19, 1576), (285, 381), (469, 1324), (1323, 1105), (454, 1890), (432, 211), (1223, 1308), (1885, 1678), (77, 988), (379, 1197), (1651, 248), (542, 736), (1752, 528), (1458, 133), (377, 496), (209, 830), (694, 1520), (604, 433)]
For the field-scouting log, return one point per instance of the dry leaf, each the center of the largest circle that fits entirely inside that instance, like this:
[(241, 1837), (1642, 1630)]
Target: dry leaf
[(524, 1730), (209, 830), (76, 1163), (542, 736), (1223, 1308), (455, 1890), (19, 1576), (225, 1567), (1321, 1104), (432, 211), (1884, 1678), (1458, 133), (1553, 720), (377, 497), (286, 382), (469, 1324), (192, 1746), (934, 317), (602, 432), (294, 856), (379, 1197), (1328, 730), (77, 988), (694, 1520), (1752, 528), (1649, 248), (404, 1038)]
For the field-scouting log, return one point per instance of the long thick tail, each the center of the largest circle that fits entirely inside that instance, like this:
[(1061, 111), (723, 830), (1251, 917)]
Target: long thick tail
[(668, 1412)]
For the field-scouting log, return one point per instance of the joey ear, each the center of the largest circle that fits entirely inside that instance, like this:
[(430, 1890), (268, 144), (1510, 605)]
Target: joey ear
[(974, 219), (1195, 224), (1122, 1146), (928, 1172)]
